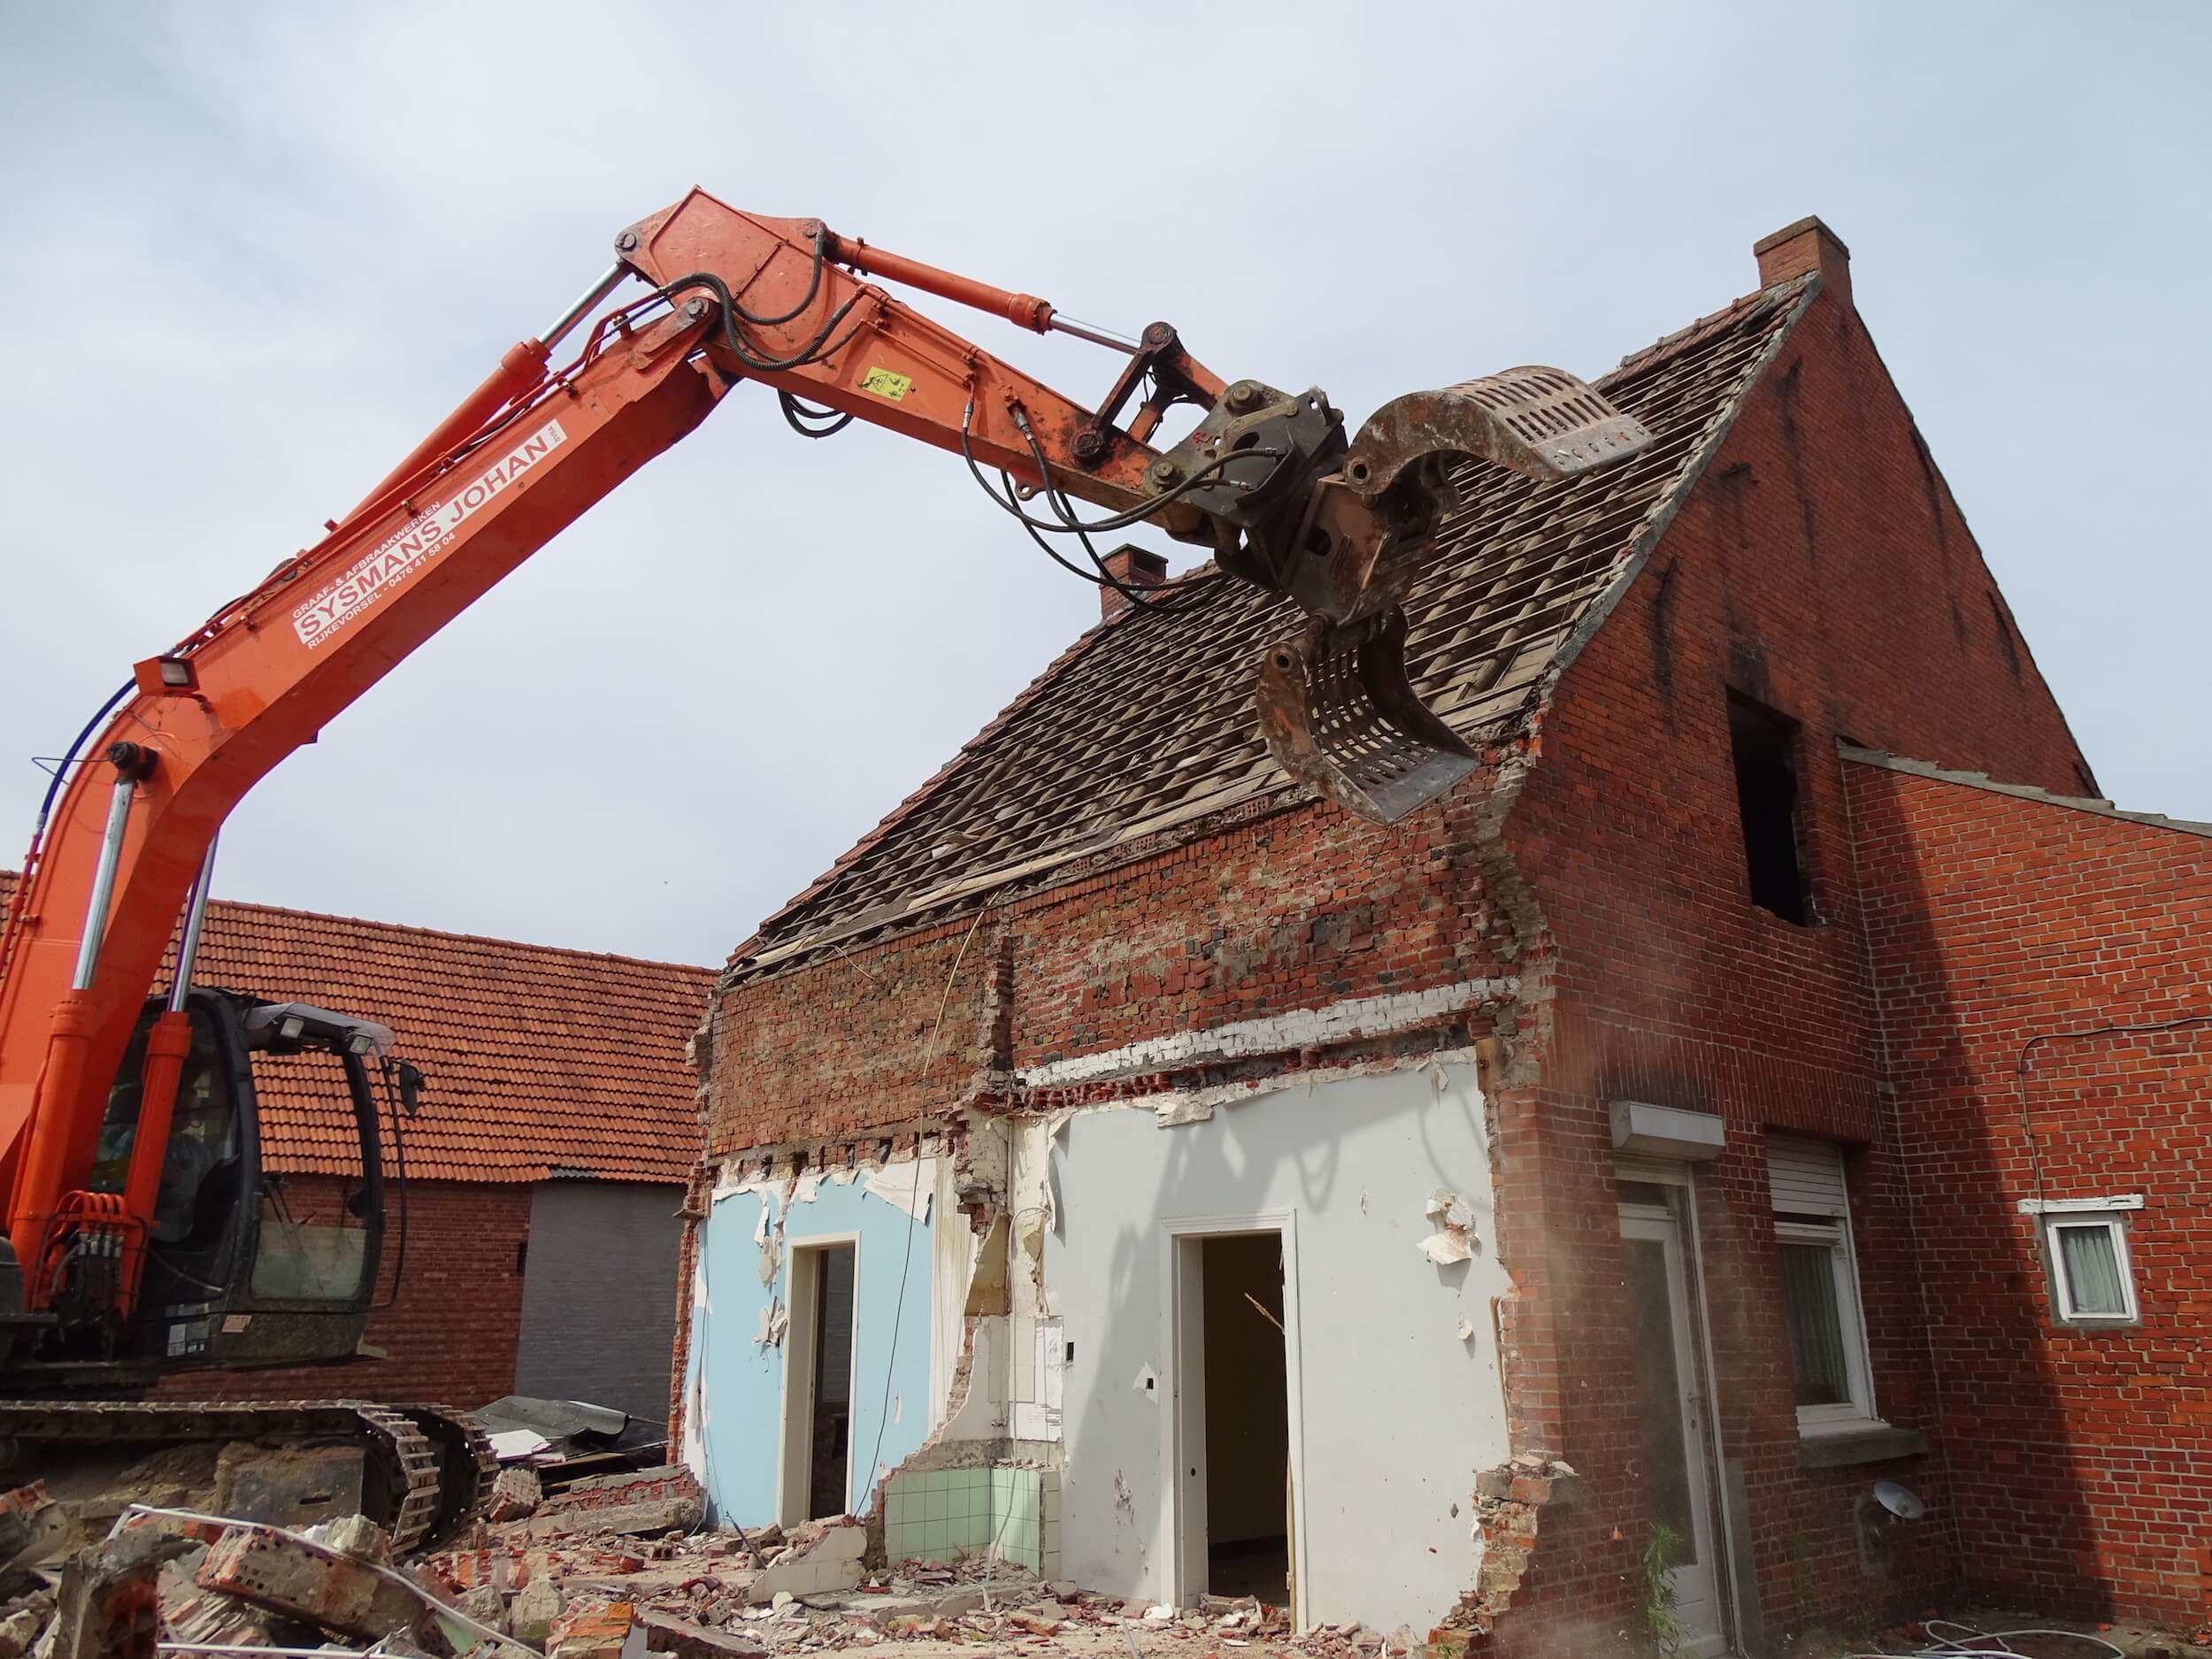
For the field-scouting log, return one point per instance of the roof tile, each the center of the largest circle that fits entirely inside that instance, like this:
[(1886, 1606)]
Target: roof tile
[(536, 1058), (1148, 718)]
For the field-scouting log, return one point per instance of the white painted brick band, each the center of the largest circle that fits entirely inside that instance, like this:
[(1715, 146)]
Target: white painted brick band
[(1299, 1028)]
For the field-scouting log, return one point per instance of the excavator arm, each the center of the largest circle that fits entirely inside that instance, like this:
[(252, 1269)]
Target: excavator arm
[(1269, 482)]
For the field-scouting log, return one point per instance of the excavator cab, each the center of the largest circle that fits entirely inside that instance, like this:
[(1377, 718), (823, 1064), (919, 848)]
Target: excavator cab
[(247, 1262)]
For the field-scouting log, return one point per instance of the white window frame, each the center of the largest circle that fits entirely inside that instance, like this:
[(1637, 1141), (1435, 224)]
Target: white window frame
[(2106, 1215), (1857, 1411)]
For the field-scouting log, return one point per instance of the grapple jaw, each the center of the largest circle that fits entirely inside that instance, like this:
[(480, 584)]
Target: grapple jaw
[(1345, 528), (1336, 707)]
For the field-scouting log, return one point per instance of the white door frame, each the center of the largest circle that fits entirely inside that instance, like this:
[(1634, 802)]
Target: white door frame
[(1183, 1405), (795, 1437), (1702, 1584)]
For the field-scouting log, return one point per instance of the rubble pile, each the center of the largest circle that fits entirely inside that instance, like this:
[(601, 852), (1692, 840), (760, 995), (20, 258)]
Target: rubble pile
[(616, 1568)]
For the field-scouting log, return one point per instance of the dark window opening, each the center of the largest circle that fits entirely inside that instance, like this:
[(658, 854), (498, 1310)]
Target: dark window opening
[(1764, 744)]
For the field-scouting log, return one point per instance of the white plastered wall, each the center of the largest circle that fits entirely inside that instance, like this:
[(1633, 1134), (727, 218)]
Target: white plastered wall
[(1397, 1375)]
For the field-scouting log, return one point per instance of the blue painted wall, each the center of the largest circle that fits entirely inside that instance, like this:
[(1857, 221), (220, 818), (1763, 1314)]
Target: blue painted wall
[(735, 1383)]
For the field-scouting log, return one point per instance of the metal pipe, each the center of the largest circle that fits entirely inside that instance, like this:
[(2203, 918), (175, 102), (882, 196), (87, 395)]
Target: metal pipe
[(585, 306), (96, 910), (1091, 332), (195, 914)]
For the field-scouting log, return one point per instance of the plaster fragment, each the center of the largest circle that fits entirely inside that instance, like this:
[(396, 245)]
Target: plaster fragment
[(907, 1187), (1448, 1209), (1182, 1108), (1452, 1216), (1444, 1248), (775, 1319)]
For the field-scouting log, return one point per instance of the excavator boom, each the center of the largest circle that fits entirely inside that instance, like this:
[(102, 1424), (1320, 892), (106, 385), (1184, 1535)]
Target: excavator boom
[(1270, 482)]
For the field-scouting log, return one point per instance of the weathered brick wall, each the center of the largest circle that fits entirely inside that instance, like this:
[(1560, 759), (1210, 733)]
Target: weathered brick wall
[(1296, 909), (2082, 1458), (1821, 567), (450, 1337), (837, 1049)]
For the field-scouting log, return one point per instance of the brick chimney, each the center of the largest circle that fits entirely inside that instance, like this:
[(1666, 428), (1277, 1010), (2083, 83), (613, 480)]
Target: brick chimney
[(1807, 245), (1132, 567)]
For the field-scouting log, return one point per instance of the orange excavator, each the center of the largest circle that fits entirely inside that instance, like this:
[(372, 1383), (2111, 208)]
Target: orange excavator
[(143, 1236)]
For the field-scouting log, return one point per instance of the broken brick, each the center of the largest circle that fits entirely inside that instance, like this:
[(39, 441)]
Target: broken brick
[(302, 1580)]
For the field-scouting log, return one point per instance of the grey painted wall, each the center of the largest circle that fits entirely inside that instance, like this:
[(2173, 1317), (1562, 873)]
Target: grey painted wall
[(1399, 1410), (599, 1294)]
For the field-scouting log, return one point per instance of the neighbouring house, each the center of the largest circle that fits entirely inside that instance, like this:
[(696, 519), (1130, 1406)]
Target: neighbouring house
[(544, 1170), (1125, 1162), (2043, 966)]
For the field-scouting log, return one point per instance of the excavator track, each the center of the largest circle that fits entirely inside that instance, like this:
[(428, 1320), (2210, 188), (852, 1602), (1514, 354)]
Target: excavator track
[(427, 1473)]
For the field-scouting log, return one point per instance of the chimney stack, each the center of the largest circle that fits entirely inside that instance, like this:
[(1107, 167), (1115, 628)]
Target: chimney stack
[(1132, 567), (1807, 245)]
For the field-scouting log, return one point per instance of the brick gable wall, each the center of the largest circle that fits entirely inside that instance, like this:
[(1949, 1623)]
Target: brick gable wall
[(1820, 566), (2081, 1458)]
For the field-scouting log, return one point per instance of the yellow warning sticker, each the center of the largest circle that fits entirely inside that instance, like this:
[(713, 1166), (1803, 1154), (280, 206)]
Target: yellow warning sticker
[(883, 383)]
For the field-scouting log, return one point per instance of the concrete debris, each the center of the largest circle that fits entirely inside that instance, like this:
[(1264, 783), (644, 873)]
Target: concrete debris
[(659, 1500), (531, 1614), (820, 1556), (283, 1573), (686, 1641)]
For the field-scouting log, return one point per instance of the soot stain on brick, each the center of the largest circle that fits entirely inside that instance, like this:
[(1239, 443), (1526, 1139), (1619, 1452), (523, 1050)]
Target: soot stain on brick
[(1794, 447), (2004, 632), (1932, 488), (1748, 667), (1958, 621), (1660, 619)]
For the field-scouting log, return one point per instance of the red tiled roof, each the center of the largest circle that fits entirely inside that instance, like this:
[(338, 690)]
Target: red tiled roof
[(1146, 721), (540, 1060)]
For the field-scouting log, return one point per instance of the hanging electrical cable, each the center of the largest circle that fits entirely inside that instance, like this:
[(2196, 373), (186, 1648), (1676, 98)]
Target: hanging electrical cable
[(1139, 598)]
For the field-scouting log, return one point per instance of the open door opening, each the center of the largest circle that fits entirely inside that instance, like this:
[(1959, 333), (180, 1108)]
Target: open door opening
[(1673, 1417), (1247, 1455), (819, 1384)]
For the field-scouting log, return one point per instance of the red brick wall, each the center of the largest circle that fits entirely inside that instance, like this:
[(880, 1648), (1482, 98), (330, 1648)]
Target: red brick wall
[(1821, 567), (1292, 911), (2083, 1458), (450, 1337)]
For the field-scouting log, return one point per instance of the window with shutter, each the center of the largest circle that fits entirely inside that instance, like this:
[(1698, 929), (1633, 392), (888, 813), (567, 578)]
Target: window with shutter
[(1820, 1285)]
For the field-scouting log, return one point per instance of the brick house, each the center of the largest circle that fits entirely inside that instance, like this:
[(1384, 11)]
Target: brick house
[(544, 1169), (1124, 1160), (2043, 965)]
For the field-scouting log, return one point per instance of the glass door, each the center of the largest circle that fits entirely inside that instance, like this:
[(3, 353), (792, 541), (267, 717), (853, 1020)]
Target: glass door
[(1677, 1494)]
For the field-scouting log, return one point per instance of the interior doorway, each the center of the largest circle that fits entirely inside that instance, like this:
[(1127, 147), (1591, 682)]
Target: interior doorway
[(1674, 1419), (817, 1461), (1234, 1391), (1247, 1418)]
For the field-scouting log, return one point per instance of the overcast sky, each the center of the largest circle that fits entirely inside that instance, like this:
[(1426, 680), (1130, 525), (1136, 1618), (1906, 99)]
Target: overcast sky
[(256, 252)]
